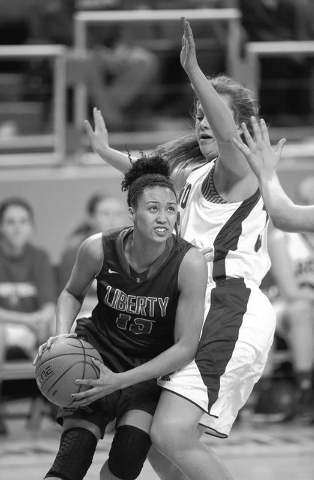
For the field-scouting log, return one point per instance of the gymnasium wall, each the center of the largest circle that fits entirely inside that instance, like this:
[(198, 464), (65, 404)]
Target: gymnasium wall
[(59, 195), (58, 198)]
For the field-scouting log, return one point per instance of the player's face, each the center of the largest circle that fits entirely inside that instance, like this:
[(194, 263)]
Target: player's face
[(204, 134), (156, 213), (16, 227), (110, 213)]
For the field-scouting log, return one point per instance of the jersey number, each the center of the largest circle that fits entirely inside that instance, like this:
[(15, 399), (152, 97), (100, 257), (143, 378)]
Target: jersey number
[(140, 325)]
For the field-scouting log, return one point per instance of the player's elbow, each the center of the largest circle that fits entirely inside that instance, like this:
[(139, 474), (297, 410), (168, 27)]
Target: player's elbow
[(66, 295), (188, 350), (281, 223)]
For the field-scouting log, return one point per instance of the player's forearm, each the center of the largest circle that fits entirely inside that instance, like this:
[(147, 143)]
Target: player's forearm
[(68, 307), (284, 213), (115, 158), (215, 109), (172, 359)]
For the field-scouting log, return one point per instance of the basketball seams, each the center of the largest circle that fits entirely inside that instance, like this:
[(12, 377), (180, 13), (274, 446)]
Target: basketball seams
[(62, 375), (62, 392), (84, 368), (64, 355)]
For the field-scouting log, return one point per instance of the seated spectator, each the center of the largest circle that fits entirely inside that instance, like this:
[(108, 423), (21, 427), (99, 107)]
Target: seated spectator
[(292, 257), (212, 39), (285, 82), (103, 212), (27, 286), (116, 72)]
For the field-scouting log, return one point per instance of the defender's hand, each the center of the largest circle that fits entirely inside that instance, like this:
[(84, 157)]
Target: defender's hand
[(188, 54), (262, 158), (99, 137)]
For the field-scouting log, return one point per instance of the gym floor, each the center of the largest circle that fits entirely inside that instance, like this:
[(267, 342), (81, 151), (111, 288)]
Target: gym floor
[(253, 451)]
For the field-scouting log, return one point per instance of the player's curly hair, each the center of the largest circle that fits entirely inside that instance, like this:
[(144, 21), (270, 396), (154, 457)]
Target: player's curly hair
[(146, 171)]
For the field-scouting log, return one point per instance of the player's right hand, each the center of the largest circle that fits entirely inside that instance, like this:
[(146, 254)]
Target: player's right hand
[(188, 53), (99, 136), (47, 345)]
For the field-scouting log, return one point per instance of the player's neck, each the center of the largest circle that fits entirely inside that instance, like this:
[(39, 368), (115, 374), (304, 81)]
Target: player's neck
[(141, 255)]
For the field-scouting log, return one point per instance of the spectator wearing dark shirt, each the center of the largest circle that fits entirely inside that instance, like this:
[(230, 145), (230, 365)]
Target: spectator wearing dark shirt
[(27, 285), (103, 212), (116, 72), (284, 93)]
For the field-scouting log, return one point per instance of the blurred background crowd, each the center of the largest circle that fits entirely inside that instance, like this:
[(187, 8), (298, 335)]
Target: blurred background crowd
[(127, 65), (133, 74)]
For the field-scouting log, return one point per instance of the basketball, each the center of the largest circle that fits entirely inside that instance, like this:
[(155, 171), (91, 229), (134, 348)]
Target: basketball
[(68, 359)]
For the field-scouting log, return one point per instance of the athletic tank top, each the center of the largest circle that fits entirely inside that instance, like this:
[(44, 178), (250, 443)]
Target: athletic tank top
[(236, 231), (135, 311)]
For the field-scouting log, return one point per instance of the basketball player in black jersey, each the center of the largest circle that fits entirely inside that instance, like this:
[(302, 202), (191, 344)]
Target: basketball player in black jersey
[(151, 292)]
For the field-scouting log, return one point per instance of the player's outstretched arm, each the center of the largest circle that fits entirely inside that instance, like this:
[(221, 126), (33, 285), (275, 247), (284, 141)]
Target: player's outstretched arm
[(99, 141), (263, 160), (218, 114)]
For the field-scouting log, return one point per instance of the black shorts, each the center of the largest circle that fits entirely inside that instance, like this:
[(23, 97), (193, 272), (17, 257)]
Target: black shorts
[(142, 396)]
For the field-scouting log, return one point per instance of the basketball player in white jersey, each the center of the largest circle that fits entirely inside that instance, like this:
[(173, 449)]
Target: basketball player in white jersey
[(221, 210)]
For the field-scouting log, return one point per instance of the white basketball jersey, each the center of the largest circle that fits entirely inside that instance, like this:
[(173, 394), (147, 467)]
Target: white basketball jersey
[(237, 232), (301, 254)]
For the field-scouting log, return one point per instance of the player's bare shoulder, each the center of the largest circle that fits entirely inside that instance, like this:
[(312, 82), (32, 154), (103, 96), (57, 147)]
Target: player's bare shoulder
[(193, 269), (92, 248)]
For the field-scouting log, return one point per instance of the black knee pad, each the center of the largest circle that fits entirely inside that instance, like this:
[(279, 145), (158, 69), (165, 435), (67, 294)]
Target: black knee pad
[(75, 455), (128, 452)]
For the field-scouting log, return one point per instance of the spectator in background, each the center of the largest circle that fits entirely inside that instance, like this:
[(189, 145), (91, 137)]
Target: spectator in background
[(116, 72), (14, 26), (292, 257), (27, 288), (285, 94), (103, 212), (177, 97)]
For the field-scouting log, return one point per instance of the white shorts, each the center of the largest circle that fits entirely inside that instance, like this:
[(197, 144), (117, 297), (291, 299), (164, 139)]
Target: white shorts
[(237, 334)]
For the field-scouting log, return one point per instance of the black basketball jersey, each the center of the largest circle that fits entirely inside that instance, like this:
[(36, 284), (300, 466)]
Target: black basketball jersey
[(136, 313)]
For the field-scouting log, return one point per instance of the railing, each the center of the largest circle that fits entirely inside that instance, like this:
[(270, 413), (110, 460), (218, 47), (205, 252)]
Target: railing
[(54, 142), (83, 20), (254, 51)]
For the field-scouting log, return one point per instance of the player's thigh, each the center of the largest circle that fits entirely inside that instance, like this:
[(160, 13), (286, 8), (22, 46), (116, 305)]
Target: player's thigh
[(176, 415)]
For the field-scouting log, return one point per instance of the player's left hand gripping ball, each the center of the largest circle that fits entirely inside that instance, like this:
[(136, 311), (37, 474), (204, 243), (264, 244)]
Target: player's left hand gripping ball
[(108, 382)]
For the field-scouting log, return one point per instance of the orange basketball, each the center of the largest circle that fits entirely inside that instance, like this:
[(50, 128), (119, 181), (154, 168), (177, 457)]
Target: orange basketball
[(67, 360)]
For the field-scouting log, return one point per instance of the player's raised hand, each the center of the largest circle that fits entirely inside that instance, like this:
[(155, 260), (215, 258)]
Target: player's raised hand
[(108, 382), (262, 158), (188, 53), (47, 345), (98, 136)]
